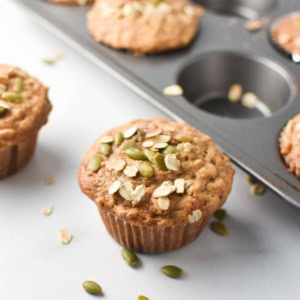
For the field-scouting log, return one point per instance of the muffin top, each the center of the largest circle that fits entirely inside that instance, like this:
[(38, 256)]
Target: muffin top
[(286, 33), (144, 26), (156, 172), (289, 143), (24, 105)]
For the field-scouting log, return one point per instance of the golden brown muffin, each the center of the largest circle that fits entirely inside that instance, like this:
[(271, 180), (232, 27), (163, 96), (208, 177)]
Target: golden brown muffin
[(144, 26), (286, 33), (24, 109), (156, 187), (289, 143), (79, 2)]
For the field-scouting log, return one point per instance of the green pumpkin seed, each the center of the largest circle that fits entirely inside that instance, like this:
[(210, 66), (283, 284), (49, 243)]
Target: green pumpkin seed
[(159, 161), (119, 137), (12, 97), (130, 257), (172, 271), (49, 61), (183, 138), (105, 149), (143, 298), (150, 154), (136, 154), (220, 214), (170, 150), (145, 169), (95, 162), (219, 228), (18, 85), (128, 145), (92, 287)]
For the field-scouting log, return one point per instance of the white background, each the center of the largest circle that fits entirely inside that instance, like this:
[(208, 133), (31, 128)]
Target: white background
[(260, 259)]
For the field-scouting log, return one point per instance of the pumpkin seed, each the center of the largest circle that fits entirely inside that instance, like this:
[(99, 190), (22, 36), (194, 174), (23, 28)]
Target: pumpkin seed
[(130, 257), (12, 97), (136, 154), (159, 161), (183, 138), (105, 149), (128, 145), (143, 298), (172, 271), (257, 189), (95, 162), (119, 137), (150, 154), (220, 214), (92, 287), (170, 150), (219, 228), (250, 179), (18, 85), (146, 169)]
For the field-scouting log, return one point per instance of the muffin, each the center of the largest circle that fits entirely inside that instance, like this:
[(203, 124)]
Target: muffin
[(79, 2), (155, 183), (289, 144), (144, 26), (24, 109), (286, 33)]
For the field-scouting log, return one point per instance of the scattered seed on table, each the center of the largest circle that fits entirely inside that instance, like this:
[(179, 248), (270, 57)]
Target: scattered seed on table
[(49, 180), (220, 214), (64, 236), (254, 25), (219, 228), (48, 211), (143, 298), (172, 271), (92, 287), (130, 257), (257, 189)]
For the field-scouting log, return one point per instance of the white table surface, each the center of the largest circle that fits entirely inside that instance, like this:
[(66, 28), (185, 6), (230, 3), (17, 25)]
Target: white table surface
[(260, 259)]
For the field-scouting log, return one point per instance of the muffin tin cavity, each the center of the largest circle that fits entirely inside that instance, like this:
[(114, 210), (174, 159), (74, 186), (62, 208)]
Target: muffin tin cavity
[(207, 79), (243, 8)]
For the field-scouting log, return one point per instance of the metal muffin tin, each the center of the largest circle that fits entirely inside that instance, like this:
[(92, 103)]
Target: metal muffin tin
[(223, 53)]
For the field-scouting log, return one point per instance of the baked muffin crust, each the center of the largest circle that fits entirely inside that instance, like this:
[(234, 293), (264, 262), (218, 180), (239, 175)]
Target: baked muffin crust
[(289, 144), (26, 105), (286, 33), (196, 181), (144, 26)]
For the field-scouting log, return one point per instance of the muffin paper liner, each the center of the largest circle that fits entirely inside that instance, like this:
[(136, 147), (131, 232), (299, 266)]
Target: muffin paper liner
[(151, 239), (14, 158)]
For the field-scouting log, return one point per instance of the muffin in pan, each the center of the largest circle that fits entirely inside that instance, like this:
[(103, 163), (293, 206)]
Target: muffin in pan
[(144, 26), (285, 33), (79, 2), (24, 109), (155, 183), (289, 144)]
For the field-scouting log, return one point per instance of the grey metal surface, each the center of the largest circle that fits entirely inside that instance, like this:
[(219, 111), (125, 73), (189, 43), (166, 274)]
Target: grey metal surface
[(223, 53)]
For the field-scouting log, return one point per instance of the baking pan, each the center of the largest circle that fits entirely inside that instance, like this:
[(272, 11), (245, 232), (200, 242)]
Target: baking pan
[(223, 53)]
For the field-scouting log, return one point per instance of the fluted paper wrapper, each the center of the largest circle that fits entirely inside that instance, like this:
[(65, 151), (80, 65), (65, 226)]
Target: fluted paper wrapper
[(151, 239), (14, 158)]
